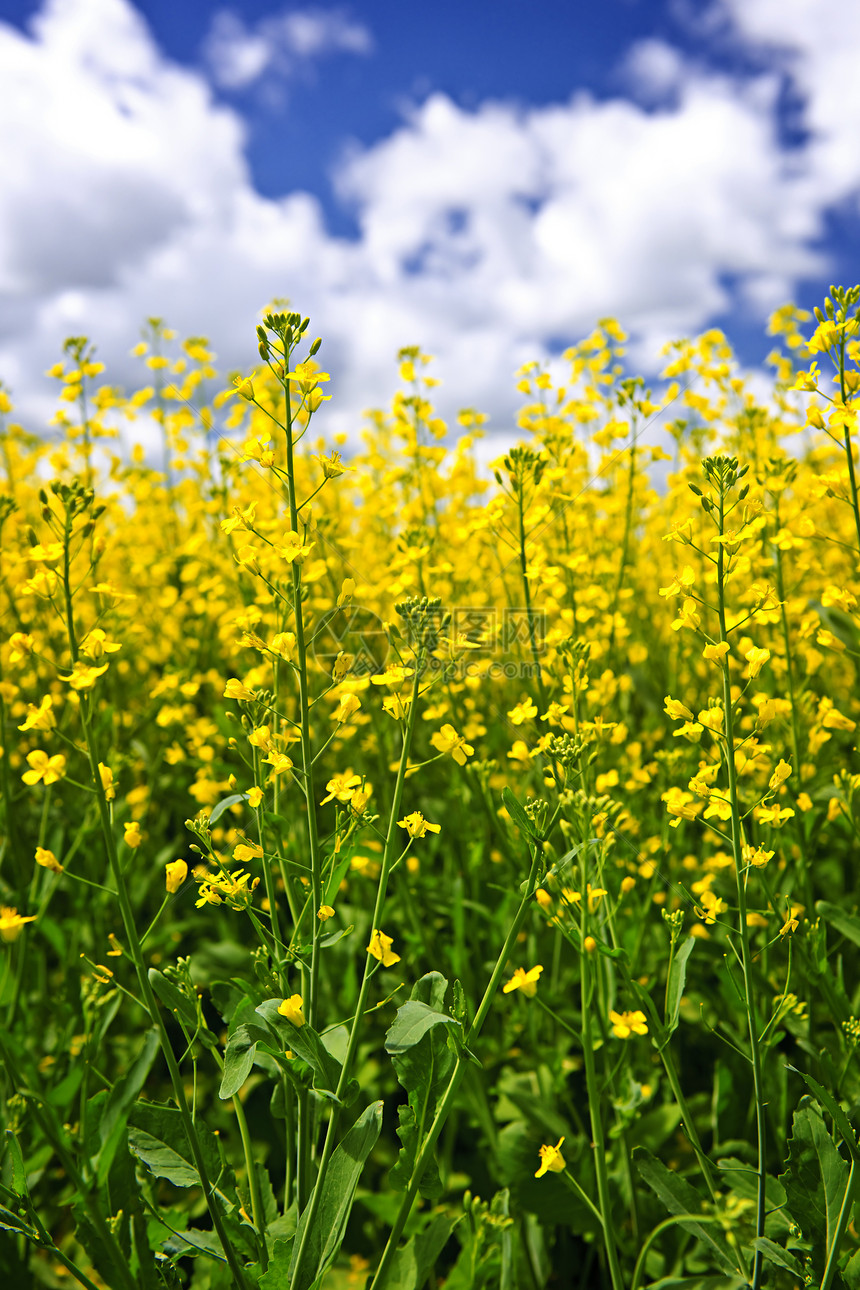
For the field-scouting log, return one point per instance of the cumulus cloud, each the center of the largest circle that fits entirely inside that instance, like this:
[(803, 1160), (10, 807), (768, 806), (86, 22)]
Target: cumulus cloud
[(237, 55), (489, 236)]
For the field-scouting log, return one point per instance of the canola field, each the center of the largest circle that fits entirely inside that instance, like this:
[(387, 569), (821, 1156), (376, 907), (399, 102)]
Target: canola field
[(415, 875)]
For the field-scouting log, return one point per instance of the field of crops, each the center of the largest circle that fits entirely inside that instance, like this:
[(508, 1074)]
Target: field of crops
[(414, 875)]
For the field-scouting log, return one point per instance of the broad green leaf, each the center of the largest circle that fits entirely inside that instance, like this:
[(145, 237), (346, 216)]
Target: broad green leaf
[(18, 1181), (412, 1263), (847, 924), (840, 1119), (776, 1254), (814, 1181), (307, 1044), (680, 1197), (518, 815), (676, 983), (157, 1137), (121, 1099), (336, 1201), (239, 1058), (224, 805), (423, 1063), (173, 999), (278, 1272), (411, 1024)]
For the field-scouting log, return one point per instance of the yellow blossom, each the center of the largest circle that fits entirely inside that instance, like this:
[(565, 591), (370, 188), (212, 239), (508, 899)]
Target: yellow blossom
[(341, 787), (175, 874), (41, 717), (676, 710), (48, 860), (447, 740), (525, 711), (416, 826), (380, 948), (324, 913), (551, 1160), (82, 677), (132, 834), (527, 982), (236, 690), (625, 1024), (42, 767), (716, 653), (756, 659), (12, 923), (255, 796), (292, 1009), (106, 780)]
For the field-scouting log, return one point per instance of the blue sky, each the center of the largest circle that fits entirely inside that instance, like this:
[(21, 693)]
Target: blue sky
[(483, 179)]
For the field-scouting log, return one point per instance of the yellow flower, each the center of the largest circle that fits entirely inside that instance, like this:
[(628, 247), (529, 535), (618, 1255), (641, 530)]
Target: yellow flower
[(48, 860), (525, 981), (292, 549), (41, 718), (676, 710), (283, 644), (625, 1024), (756, 856), (246, 851), (346, 708), (279, 762), (255, 796), (342, 787), (380, 948), (292, 1009), (756, 659), (416, 826), (716, 653), (324, 913), (447, 740), (106, 778), (524, 711), (11, 923), (236, 690), (132, 836), (551, 1160), (82, 677), (780, 775), (175, 874), (43, 767), (394, 674)]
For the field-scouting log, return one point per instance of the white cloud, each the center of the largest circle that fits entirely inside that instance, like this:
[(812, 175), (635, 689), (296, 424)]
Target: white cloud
[(486, 236), (278, 47)]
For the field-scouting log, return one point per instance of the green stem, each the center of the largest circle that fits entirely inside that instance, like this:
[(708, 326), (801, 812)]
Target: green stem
[(746, 954), (450, 1093), (390, 853), (841, 1226), (594, 1094), (661, 1227)]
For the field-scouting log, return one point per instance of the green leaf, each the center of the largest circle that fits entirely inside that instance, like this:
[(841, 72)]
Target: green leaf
[(676, 983), (278, 1272), (157, 1137), (518, 815), (224, 805), (776, 1254), (338, 1193), (814, 1181), (828, 1101), (423, 1063), (680, 1197), (847, 924), (173, 999), (411, 1024), (239, 1058), (18, 1181), (307, 1044), (121, 1099), (412, 1263), (10, 1222)]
